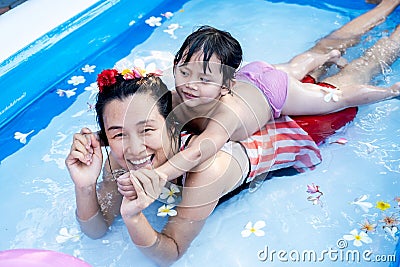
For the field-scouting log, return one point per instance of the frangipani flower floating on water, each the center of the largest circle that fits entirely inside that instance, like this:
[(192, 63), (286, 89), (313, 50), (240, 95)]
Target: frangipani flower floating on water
[(64, 235), (366, 226), (382, 205), (392, 231), (153, 21), (358, 238), (22, 136), (360, 202), (93, 88), (88, 68), (167, 14), (171, 30), (340, 141), (391, 225), (170, 194), (314, 189), (75, 80), (67, 93), (390, 221), (256, 229), (165, 210), (397, 199)]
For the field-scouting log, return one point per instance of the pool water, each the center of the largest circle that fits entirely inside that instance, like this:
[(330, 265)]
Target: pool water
[(38, 195)]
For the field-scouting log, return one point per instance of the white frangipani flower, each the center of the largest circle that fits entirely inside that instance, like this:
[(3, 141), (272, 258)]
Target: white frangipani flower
[(153, 21), (64, 235), (256, 229), (165, 210), (365, 206), (170, 193), (67, 93), (75, 80), (93, 88), (358, 237), (22, 136), (88, 68)]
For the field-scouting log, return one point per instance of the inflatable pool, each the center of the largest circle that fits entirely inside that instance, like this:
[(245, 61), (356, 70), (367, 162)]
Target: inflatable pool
[(38, 258), (48, 96)]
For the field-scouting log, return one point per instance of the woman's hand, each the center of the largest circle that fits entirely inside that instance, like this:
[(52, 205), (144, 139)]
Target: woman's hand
[(85, 159), (147, 184), (125, 186)]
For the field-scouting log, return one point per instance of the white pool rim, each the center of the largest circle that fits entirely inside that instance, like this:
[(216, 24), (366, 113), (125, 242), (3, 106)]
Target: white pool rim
[(32, 19)]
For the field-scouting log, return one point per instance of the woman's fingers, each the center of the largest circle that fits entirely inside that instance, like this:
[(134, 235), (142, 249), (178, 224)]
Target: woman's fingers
[(125, 184), (79, 149)]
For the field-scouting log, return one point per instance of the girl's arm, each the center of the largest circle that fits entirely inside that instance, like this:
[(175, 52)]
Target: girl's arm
[(201, 193), (206, 145)]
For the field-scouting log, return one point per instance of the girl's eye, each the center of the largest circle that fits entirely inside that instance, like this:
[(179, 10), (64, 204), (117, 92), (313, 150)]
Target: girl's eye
[(204, 80), (184, 73)]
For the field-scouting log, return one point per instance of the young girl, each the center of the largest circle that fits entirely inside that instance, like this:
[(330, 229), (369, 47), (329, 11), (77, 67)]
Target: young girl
[(212, 100)]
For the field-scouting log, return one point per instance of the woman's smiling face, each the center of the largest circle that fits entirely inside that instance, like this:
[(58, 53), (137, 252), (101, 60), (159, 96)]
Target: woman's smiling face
[(136, 132)]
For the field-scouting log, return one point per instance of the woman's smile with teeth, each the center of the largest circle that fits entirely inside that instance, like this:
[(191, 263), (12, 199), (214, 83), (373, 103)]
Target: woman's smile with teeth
[(140, 161)]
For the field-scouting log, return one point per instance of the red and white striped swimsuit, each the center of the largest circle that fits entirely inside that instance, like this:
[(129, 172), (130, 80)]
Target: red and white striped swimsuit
[(280, 144)]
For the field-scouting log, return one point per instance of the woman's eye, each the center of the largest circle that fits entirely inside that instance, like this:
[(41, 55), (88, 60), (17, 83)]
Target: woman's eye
[(118, 135), (146, 130)]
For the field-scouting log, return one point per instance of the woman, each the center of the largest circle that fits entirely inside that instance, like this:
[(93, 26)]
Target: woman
[(133, 115)]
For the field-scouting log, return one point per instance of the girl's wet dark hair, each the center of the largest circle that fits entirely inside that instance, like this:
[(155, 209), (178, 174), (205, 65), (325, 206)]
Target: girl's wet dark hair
[(210, 41), (122, 89)]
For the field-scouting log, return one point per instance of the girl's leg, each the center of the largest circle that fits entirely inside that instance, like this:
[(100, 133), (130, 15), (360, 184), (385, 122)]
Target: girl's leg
[(303, 64)]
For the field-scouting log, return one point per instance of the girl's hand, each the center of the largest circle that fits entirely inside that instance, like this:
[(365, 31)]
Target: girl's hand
[(85, 158), (147, 184)]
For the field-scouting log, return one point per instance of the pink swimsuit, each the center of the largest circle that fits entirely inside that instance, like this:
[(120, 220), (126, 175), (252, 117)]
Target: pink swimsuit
[(273, 83)]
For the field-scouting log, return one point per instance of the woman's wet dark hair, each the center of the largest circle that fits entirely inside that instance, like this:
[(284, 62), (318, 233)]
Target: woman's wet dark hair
[(210, 41), (122, 89)]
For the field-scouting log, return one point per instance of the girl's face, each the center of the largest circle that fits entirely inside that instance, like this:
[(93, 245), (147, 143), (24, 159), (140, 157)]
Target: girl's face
[(196, 87), (136, 132)]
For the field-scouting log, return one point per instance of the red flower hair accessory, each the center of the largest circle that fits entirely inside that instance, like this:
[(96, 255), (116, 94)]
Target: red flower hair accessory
[(128, 72), (106, 78)]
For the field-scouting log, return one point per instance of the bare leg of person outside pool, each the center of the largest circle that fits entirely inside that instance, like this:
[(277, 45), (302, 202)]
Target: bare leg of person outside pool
[(350, 33), (328, 50), (352, 82)]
